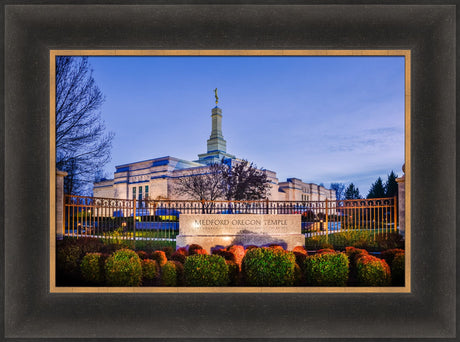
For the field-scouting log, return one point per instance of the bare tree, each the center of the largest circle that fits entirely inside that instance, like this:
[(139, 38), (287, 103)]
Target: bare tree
[(201, 184), (244, 181), (82, 144), (339, 189), (240, 181)]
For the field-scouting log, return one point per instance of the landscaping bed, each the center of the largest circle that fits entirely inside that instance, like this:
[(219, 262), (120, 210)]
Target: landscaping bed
[(92, 262)]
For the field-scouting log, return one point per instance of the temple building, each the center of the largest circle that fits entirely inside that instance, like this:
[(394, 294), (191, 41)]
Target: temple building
[(154, 178)]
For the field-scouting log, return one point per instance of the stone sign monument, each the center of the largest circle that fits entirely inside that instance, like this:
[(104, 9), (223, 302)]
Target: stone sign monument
[(213, 230)]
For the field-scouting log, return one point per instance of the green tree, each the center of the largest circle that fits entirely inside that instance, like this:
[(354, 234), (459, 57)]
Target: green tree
[(377, 189), (352, 192), (391, 186)]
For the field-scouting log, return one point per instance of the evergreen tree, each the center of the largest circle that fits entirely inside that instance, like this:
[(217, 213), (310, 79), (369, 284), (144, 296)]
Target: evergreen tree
[(391, 186), (377, 189), (352, 192)]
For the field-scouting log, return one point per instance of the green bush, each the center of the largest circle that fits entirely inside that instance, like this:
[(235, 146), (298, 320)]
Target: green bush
[(169, 274), (372, 271), (390, 254), (398, 269), (68, 260), (326, 269), (206, 270), (150, 269), (123, 268), (392, 240), (268, 267), (233, 272), (92, 268), (180, 275)]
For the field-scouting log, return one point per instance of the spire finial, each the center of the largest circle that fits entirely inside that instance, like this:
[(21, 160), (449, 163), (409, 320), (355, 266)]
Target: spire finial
[(215, 94)]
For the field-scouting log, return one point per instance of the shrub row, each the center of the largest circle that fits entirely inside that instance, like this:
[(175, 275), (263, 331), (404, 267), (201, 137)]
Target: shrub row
[(235, 265)]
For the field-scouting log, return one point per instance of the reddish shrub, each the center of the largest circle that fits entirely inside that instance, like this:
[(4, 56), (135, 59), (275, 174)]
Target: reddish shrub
[(168, 251), (200, 251), (390, 254), (238, 252), (193, 247), (300, 249), (160, 258), (143, 255), (227, 255), (251, 247), (178, 257), (182, 250), (275, 246), (372, 271), (353, 253), (326, 251), (300, 258)]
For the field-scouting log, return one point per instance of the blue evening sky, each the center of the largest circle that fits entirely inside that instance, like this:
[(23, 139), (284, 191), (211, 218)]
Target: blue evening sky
[(320, 119)]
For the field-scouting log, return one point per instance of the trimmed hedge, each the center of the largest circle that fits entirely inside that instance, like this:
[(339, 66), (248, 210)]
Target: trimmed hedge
[(169, 274), (238, 251), (327, 269), (178, 257), (206, 270), (233, 272), (150, 269), (92, 268), (390, 254), (268, 267), (372, 271), (123, 268), (398, 269), (160, 258), (193, 248)]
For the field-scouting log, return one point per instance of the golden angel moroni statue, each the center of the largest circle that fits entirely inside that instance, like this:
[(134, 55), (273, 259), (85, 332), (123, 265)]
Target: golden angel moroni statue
[(215, 94)]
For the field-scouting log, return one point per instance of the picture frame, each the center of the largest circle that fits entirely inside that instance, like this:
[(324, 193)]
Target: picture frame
[(32, 311)]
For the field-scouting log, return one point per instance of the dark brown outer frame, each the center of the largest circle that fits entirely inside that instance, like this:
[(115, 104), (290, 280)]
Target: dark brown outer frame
[(30, 311)]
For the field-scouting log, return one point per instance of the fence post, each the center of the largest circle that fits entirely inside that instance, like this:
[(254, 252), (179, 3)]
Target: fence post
[(134, 218), (327, 221), (401, 202), (267, 203), (60, 213)]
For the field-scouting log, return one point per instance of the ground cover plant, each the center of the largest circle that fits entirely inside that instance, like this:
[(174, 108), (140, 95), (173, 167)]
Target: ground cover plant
[(370, 240), (88, 262)]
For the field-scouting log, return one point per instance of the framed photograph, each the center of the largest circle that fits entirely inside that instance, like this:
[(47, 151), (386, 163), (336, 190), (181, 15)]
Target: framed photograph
[(37, 36), (212, 205)]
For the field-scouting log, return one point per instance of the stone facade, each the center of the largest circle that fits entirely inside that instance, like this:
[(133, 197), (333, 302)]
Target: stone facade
[(155, 178)]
